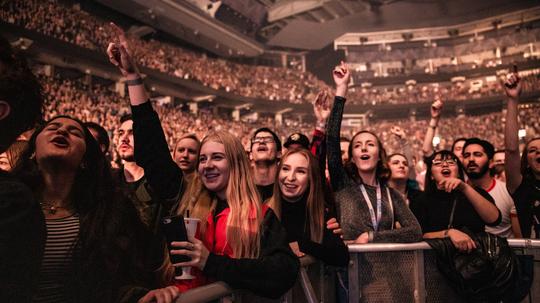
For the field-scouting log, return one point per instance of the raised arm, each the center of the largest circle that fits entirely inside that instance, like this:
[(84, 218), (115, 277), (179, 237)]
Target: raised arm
[(338, 176), (405, 148), (321, 109), (512, 87), (151, 149), (436, 109)]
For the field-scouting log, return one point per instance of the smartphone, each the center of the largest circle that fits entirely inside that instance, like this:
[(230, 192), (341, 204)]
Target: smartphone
[(174, 229)]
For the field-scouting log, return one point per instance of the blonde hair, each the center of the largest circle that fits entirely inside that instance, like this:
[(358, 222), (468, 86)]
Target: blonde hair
[(245, 217), (315, 198)]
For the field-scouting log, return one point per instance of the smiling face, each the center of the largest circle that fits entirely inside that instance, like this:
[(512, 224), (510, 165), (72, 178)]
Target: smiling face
[(443, 168), (533, 156), (214, 168), (264, 147), (185, 154), (125, 143), (476, 161), (294, 176), (365, 152), (399, 167), (63, 140)]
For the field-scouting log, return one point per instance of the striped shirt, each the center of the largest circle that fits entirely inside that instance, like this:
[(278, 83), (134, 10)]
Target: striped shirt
[(62, 235)]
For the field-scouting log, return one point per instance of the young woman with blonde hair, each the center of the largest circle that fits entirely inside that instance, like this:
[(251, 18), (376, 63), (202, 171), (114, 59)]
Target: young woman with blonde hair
[(243, 243)]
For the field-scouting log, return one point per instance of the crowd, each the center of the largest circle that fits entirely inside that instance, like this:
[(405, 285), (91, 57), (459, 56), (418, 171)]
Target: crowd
[(73, 25), (67, 22), (422, 93), (100, 104), (194, 199)]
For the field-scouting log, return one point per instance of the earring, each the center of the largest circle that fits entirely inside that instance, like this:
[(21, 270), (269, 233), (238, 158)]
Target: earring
[(83, 165), (33, 156)]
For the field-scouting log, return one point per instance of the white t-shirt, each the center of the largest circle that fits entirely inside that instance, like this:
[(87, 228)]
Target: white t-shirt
[(505, 204)]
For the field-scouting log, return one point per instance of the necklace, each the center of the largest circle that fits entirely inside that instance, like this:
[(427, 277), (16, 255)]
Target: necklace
[(51, 207)]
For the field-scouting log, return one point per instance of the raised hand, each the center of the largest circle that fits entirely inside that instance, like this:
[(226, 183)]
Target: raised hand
[(321, 106), (436, 108), (342, 76), (119, 53), (398, 132), (512, 84)]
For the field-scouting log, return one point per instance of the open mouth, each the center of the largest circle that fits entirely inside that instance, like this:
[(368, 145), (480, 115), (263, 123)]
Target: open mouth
[(60, 141), (364, 157), (446, 173), (262, 148), (538, 160)]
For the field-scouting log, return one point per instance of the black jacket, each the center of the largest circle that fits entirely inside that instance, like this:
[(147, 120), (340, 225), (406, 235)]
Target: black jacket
[(22, 240), (272, 274)]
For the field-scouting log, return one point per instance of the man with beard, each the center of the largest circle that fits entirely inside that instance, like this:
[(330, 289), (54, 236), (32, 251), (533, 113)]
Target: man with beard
[(477, 160), (265, 155), (131, 177)]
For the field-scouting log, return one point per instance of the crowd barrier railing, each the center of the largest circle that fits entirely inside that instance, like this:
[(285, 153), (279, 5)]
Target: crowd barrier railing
[(412, 276)]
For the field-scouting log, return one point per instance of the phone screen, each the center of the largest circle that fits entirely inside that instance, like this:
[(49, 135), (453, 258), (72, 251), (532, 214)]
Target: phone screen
[(175, 231)]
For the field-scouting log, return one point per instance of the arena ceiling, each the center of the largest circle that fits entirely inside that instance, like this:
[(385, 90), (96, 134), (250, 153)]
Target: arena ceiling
[(314, 24), (304, 24)]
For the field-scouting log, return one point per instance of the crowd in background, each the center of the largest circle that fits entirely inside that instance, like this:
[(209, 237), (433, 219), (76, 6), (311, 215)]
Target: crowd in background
[(65, 21), (101, 104)]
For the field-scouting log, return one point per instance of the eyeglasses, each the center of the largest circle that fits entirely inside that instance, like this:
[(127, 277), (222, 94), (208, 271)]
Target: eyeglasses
[(262, 140), (449, 162)]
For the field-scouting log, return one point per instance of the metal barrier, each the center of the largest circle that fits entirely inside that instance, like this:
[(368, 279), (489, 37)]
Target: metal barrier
[(413, 276)]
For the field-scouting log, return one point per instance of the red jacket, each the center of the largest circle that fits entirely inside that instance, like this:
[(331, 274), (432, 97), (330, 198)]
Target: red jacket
[(215, 240)]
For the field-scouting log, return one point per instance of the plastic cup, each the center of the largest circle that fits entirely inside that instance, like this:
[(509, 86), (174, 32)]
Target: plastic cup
[(191, 228)]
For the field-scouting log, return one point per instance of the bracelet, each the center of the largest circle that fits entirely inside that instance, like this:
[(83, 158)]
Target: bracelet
[(320, 125), (134, 82)]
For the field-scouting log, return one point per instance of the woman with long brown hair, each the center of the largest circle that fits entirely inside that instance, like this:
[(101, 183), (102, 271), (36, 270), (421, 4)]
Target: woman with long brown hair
[(367, 208), (299, 201)]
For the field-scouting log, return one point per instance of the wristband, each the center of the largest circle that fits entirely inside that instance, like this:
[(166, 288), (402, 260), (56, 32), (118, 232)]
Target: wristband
[(134, 82)]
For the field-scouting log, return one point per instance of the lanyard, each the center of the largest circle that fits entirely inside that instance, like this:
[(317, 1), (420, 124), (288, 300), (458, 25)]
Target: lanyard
[(374, 220)]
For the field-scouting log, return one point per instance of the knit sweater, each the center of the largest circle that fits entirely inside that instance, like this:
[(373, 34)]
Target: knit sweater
[(353, 212)]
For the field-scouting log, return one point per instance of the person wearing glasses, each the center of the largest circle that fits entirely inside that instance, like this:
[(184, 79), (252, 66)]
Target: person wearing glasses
[(449, 207), (265, 155)]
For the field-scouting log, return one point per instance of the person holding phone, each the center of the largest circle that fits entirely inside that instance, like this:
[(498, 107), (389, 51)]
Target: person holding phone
[(241, 241)]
